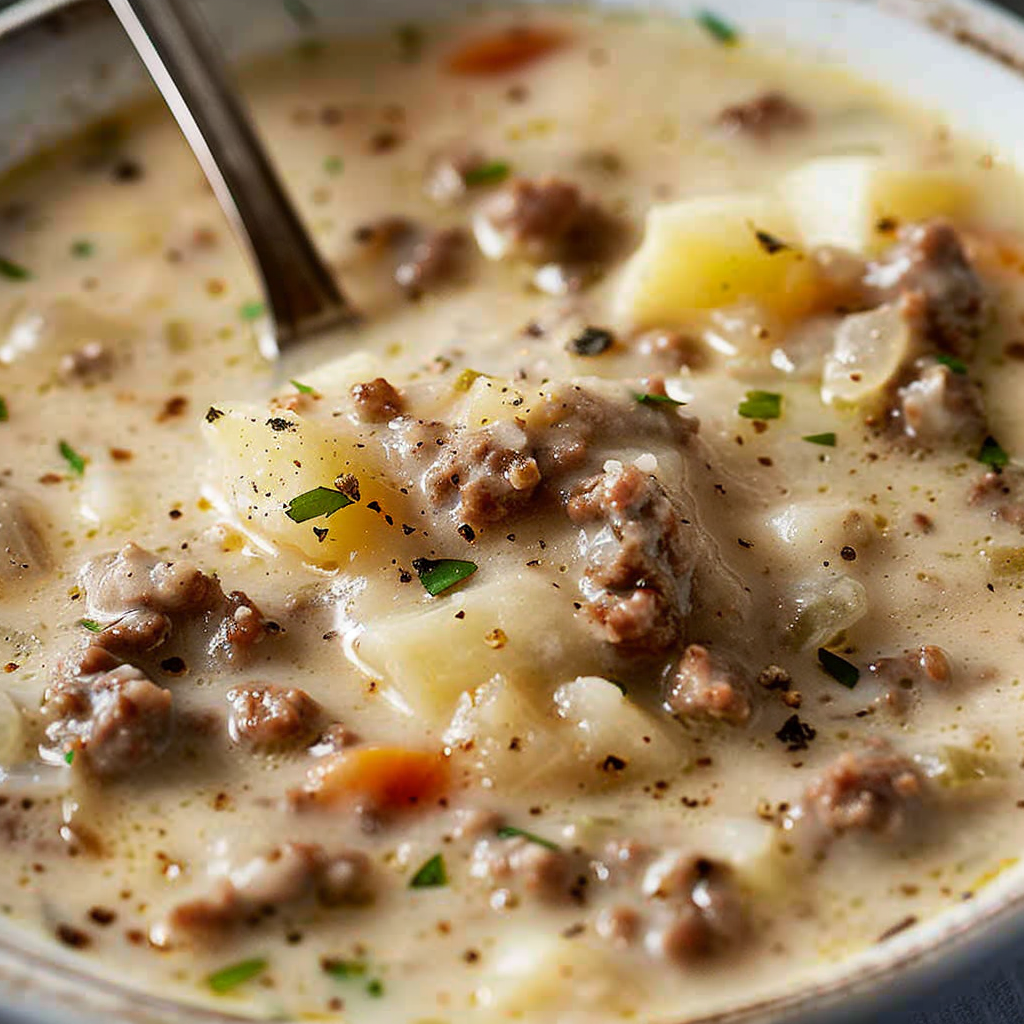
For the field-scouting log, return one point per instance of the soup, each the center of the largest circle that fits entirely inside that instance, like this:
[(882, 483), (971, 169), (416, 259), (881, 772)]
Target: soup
[(620, 623)]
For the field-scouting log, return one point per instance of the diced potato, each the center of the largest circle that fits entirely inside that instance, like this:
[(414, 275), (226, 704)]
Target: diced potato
[(490, 400), (869, 350), (111, 498), (532, 975), (845, 201), (590, 736), (339, 375), (703, 254), (515, 626), (266, 466)]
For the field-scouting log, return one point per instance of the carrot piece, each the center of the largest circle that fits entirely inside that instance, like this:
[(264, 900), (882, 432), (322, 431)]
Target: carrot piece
[(506, 50), (390, 778)]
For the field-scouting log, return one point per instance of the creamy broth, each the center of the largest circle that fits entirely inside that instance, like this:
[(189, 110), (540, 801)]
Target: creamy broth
[(686, 380)]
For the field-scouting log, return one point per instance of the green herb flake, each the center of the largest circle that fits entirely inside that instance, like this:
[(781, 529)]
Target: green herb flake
[(90, 624), (321, 501), (75, 461), (411, 40), (231, 977), (466, 379), (761, 405), (431, 875), (375, 988), (343, 969), (487, 174), (69, 758), (82, 248), (250, 311), (828, 440), (5, 413), (334, 165), (13, 271), (956, 365), (842, 671), (992, 454), (718, 28), (645, 398), (511, 832), (303, 389), (440, 574), (299, 12)]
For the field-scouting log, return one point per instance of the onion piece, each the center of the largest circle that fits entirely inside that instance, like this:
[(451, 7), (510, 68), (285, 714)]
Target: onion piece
[(822, 609), (868, 352)]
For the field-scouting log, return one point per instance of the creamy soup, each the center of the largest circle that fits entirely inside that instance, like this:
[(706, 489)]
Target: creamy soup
[(621, 622)]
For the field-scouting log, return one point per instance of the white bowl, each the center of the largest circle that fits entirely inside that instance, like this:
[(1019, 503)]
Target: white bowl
[(64, 63)]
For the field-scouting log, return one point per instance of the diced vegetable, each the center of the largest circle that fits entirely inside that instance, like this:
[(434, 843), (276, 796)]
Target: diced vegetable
[(824, 608), (507, 50), (958, 766), (857, 202), (869, 350), (391, 778), (231, 977), (704, 254)]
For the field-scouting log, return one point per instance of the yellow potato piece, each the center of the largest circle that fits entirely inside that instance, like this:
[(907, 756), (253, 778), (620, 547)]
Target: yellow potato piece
[(715, 252), (269, 458), (856, 202)]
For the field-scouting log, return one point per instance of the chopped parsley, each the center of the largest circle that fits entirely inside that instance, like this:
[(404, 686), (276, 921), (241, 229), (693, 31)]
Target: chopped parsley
[(303, 389), (4, 412), (82, 248), (828, 439), (646, 398), (69, 758), (431, 875), (250, 311), (511, 832), (344, 969), (487, 174), (718, 28), (440, 574), (321, 501), (992, 454), (375, 988), (13, 271), (334, 165), (761, 405), (75, 461), (956, 365), (592, 342), (231, 977), (90, 624), (842, 671)]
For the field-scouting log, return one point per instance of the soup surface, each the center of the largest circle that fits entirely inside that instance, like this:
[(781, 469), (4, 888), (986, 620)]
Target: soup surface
[(621, 622)]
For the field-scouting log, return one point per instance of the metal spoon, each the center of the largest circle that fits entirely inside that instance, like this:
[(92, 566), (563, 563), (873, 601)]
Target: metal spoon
[(187, 67)]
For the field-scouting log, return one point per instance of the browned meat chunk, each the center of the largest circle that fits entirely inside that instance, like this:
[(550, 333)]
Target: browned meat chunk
[(764, 117), (525, 865), (87, 363), (545, 221), (929, 273), (116, 721), (147, 598), (874, 790), (434, 260), (377, 401), (493, 472), (1001, 494), (288, 874), (265, 716), (940, 407), (637, 587), (705, 914), (904, 674), (708, 685)]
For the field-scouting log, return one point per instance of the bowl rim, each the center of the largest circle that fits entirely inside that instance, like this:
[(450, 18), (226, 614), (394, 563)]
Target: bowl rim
[(37, 984)]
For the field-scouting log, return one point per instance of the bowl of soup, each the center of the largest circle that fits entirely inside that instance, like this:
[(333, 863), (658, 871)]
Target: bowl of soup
[(622, 622)]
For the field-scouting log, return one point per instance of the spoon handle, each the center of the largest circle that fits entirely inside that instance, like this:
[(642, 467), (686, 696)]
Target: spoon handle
[(185, 64)]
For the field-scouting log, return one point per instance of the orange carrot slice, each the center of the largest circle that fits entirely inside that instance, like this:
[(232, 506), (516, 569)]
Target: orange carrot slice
[(389, 778), (506, 50)]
